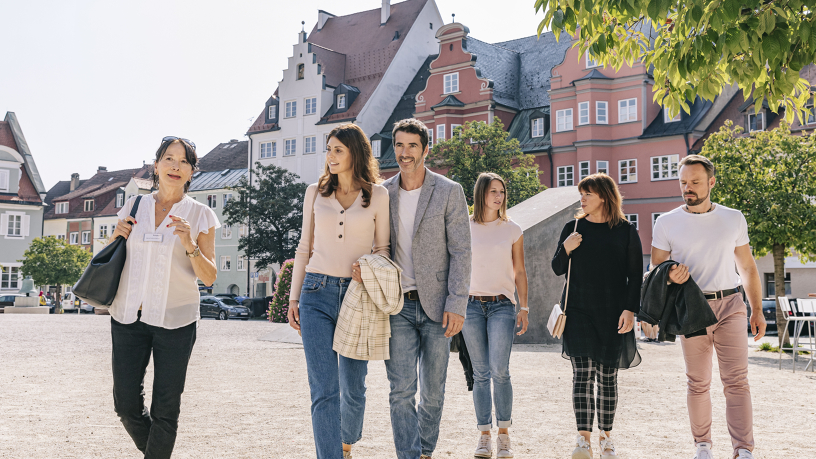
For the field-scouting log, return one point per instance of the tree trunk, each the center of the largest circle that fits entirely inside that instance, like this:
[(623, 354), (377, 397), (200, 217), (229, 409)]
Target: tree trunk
[(779, 287)]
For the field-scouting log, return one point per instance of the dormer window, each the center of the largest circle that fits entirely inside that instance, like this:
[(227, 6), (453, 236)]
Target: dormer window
[(538, 127), (666, 118), (4, 180), (120, 199), (300, 70), (89, 205), (271, 115), (756, 121), (590, 63), (375, 148), (452, 83), (62, 208), (341, 101)]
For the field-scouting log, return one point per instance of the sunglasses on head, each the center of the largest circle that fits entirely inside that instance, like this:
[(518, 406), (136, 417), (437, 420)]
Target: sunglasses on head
[(172, 138)]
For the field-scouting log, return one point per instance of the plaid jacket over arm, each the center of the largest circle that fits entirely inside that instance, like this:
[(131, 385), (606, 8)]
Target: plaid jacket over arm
[(363, 326)]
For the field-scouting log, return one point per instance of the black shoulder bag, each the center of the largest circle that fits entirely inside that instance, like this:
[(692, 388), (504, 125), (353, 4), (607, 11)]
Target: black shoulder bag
[(100, 281)]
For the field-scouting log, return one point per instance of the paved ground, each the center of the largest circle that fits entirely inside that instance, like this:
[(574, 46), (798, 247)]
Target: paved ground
[(248, 398)]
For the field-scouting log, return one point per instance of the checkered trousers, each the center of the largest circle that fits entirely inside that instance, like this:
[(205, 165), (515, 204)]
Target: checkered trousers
[(585, 372)]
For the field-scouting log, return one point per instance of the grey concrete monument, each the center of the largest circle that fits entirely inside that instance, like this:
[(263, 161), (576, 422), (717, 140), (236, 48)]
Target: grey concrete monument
[(541, 218), (28, 304)]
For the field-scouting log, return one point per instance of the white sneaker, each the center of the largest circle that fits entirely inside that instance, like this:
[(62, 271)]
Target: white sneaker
[(607, 447), (582, 448), (703, 451), (347, 455), (485, 447), (744, 454), (503, 450)]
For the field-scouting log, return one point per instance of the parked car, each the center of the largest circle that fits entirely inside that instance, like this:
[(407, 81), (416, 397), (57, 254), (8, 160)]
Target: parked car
[(239, 298), (258, 307), (222, 308), (71, 303)]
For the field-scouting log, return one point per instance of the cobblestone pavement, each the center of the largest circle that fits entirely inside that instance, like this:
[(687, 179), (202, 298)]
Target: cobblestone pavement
[(247, 398)]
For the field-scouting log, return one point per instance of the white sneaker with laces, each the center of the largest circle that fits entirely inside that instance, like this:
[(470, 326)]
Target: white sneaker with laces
[(607, 447), (503, 450), (744, 454), (347, 455), (703, 451), (485, 447), (582, 448)]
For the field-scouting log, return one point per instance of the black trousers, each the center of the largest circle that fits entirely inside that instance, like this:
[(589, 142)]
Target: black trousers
[(153, 431)]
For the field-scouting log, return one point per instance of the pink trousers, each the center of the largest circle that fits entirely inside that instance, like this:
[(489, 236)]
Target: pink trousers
[(729, 338)]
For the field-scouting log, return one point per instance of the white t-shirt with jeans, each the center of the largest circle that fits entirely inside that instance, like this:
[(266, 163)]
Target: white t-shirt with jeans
[(408, 202), (705, 243)]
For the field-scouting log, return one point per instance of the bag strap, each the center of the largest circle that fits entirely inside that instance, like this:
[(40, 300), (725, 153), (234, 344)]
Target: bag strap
[(569, 269), (135, 207), (312, 227)]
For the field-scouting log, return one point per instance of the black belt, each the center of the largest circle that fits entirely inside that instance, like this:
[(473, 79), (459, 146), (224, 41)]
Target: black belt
[(412, 295), (722, 293), (487, 299)]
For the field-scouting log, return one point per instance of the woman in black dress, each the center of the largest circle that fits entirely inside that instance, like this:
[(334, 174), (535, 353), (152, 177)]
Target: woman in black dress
[(604, 294)]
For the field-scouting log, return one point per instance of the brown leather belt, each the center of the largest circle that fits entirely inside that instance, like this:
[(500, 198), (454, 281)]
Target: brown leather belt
[(486, 299), (412, 295)]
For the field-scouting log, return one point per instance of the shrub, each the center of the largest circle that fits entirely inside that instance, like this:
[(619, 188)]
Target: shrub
[(765, 347), (279, 306)]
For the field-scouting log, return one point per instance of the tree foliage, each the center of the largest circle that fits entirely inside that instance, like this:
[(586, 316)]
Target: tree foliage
[(477, 147), (51, 261), (696, 47), (272, 206)]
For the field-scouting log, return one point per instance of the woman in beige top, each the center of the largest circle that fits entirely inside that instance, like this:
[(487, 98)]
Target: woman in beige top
[(345, 216)]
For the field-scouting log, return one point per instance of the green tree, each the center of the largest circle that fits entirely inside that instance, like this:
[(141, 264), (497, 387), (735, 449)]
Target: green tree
[(51, 261), (695, 47), (272, 206), (477, 147), (769, 176)]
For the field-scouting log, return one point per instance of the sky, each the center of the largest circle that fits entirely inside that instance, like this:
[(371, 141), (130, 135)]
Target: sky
[(99, 83)]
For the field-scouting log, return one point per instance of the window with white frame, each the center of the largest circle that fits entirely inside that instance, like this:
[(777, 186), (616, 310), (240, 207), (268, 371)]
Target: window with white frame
[(86, 237), (601, 112), (62, 208), (566, 176), (4, 179), (120, 199), (537, 127), (268, 150), (311, 106), (14, 227), (627, 171), (590, 63), (341, 101), (291, 109), (375, 148), (602, 167), (10, 278), (453, 130), (563, 120), (756, 121), (451, 83), (583, 113), (227, 198), (667, 119), (271, 112), (212, 200), (627, 110), (654, 218), (241, 264), (89, 205), (664, 167), (430, 137), (309, 145), (633, 218), (103, 231), (242, 230), (226, 231), (289, 147), (73, 238), (583, 170), (440, 132), (61, 237), (225, 262)]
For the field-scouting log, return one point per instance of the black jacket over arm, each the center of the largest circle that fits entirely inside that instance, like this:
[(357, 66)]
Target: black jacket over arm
[(679, 309)]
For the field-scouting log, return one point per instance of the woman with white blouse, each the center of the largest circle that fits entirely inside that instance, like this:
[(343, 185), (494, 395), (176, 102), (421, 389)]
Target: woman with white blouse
[(497, 272), (157, 304), (345, 216)]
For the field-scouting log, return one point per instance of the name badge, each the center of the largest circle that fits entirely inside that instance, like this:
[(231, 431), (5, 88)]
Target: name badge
[(153, 237)]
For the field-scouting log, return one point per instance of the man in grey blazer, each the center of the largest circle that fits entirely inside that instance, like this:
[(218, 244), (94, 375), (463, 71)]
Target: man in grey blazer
[(430, 241)]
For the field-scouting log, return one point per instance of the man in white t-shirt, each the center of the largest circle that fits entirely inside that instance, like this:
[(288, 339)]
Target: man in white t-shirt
[(709, 241)]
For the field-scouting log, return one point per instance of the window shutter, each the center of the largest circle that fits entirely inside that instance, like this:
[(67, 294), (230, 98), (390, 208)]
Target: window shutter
[(26, 225), (4, 224)]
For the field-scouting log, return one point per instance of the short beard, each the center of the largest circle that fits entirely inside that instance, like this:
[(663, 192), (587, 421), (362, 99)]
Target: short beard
[(696, 202)]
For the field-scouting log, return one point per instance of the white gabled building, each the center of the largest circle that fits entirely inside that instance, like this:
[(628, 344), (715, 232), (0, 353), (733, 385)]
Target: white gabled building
[(350, 68)]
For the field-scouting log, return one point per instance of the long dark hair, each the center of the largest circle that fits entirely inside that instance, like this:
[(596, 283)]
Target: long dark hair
[(364, 167), (189, 152), (606, 189)]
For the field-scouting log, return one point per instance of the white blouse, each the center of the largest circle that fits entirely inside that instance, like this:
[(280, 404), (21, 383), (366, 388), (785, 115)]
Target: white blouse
[(152, 266)]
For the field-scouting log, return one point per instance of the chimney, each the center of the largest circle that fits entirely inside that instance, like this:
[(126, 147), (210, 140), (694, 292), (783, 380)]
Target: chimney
[(101, 169), (385, 12), (322, 17), (74, 181)]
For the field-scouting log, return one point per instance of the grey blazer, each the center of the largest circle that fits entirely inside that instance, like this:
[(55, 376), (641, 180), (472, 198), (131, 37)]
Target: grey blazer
[(441, 244)]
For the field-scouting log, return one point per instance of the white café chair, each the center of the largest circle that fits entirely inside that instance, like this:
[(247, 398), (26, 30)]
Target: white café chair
[(799, 320), (807, 308)]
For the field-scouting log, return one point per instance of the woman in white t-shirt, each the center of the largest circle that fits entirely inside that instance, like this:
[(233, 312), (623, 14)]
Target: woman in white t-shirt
[(170, 244), (497, 271)]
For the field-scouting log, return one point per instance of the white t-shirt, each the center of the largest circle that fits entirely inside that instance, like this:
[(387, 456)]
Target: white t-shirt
[(492, 272), (705, 243), (408, 201)]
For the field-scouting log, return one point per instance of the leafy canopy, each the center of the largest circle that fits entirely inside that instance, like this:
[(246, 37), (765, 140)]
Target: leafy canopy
[(698, 46), (490, 151), (769, 176), (273, 208), (51, 261)]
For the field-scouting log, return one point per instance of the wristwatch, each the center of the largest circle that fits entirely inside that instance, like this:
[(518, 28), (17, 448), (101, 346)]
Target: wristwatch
[(524, 308), (194, 253)]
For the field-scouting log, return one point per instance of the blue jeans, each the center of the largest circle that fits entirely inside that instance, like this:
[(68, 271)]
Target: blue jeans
[(416, 340), (337, 385), (488, 333)]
